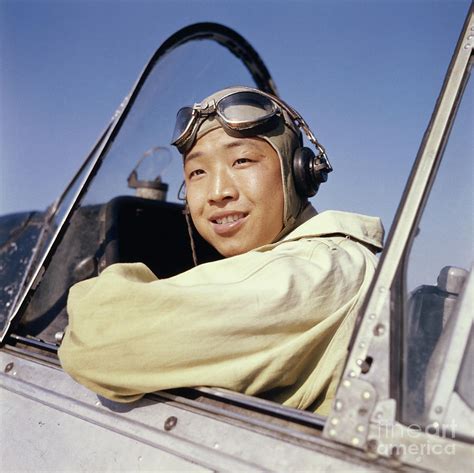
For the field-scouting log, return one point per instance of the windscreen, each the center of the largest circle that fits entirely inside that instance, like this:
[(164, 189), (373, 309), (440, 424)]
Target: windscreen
[(137, 156), (438, 266), (185, 76)]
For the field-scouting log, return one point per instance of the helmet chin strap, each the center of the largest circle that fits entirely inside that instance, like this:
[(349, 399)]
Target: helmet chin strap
[(186, 213), (190, 233)]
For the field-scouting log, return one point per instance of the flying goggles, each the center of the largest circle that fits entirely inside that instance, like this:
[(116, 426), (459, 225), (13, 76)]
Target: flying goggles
[(243, 113)]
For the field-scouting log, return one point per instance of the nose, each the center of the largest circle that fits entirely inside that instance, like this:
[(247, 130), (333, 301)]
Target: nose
[(222, 186)]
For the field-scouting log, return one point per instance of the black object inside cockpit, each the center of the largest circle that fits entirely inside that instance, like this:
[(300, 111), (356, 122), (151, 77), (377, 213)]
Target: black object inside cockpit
[(125, 230), (153, 232)]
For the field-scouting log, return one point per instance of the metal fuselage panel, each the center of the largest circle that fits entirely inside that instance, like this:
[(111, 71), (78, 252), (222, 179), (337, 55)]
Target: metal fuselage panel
[(49, 422)]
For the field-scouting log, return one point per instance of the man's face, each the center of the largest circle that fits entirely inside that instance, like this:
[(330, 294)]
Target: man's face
[(234, 191)]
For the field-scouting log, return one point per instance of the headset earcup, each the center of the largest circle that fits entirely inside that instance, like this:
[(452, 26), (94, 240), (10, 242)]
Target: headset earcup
[(306, 183)]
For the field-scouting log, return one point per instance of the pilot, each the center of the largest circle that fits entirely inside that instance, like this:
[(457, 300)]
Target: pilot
[(274, 317)]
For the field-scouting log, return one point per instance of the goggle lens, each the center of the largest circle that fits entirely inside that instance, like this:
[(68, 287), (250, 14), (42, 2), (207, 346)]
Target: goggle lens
[(245, 109), (183, 122)]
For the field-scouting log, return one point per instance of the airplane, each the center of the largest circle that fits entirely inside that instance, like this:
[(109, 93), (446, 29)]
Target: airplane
[(405, 400)]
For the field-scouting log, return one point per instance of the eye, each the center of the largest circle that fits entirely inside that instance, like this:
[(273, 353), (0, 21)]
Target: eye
[(195, 173), (242, 161)]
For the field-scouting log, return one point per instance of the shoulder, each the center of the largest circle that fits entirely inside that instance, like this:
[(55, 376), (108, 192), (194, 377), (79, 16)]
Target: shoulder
[(365, 229)]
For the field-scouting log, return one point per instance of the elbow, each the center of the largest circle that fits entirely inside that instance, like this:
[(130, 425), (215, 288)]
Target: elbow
[(77, 363)]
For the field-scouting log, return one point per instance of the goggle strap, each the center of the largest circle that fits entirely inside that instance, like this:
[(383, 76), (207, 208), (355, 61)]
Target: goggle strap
[(301, 123)]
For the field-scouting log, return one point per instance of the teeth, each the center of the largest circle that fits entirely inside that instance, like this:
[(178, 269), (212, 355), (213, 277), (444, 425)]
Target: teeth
[(229, 218)]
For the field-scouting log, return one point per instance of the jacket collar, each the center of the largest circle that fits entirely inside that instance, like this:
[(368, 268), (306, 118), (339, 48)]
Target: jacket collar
[(368, 230)]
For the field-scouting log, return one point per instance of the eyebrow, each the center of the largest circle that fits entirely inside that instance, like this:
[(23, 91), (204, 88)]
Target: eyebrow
[(233, 144)]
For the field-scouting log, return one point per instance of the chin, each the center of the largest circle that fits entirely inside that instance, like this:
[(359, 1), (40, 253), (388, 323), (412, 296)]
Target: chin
[(230, 249), (226, 252)]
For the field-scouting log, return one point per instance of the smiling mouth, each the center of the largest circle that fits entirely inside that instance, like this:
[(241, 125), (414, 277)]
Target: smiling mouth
[(229, 218), (228, 225)]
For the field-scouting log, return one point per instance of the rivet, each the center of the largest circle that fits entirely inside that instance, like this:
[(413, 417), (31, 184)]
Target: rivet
[(366, 395), (346, 383), (14, 373), (8, 367), (372, 316), (378, 415), (382, 289), (360, 428), (438, 410), (379, 329), (170, 423), (359, 362), (332, 432), (467, 46), (435, 425), (362, 345), (338, 405), (355, 441), (334, 421), (216, 446), (352, 374)]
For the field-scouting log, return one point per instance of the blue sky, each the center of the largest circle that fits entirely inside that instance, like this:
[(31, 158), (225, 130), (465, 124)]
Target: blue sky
[(364, 74)]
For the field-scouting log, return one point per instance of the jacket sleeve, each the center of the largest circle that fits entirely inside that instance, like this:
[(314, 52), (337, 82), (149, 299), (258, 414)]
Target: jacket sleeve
[(250, 323)]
